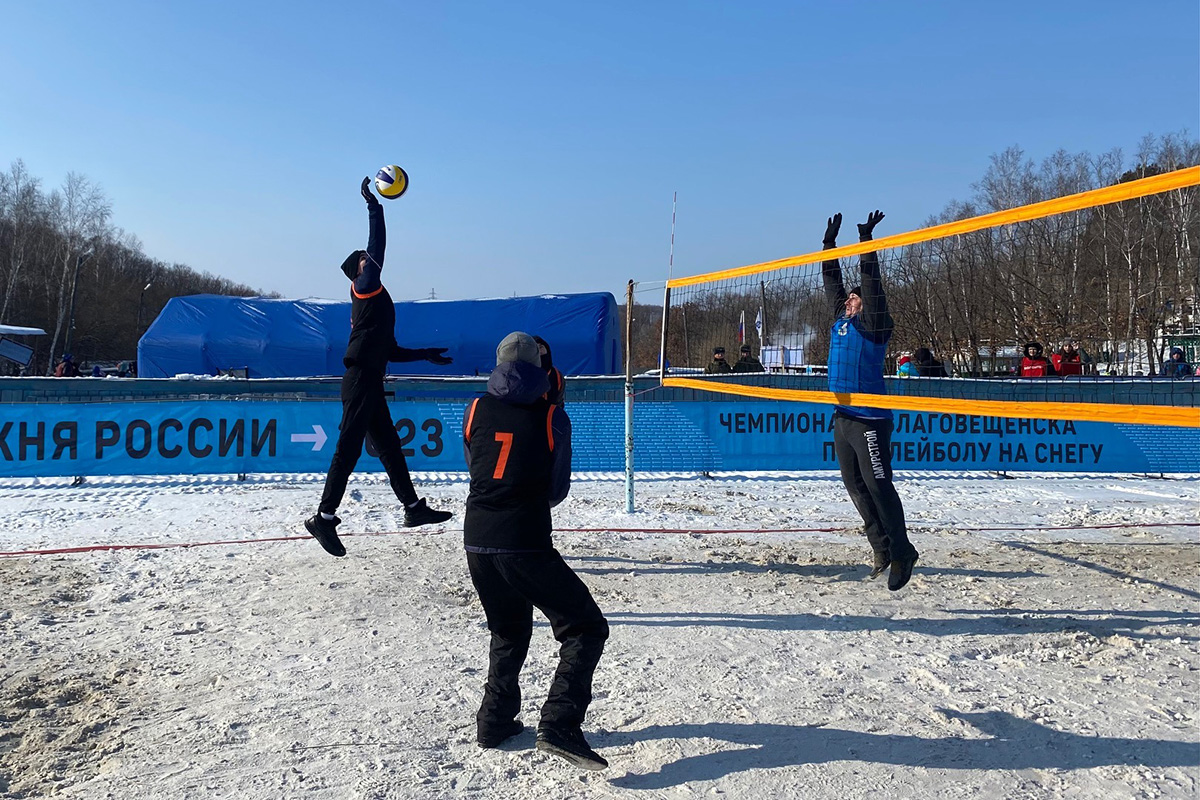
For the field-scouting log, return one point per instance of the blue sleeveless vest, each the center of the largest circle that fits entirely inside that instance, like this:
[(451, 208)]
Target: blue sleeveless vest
[(856, 365)]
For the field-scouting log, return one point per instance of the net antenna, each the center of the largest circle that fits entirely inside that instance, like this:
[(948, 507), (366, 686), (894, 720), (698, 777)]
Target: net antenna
[(968, 289), (662, 349)]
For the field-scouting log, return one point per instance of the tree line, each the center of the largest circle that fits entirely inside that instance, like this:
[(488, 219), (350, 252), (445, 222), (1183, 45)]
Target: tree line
[(1118, 279), (65, 268)]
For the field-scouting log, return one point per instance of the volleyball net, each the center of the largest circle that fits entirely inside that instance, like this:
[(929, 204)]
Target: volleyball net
[(1064, 309)]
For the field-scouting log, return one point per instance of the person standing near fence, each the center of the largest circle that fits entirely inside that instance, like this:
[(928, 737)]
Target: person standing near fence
[(364, 404), (862, 435)]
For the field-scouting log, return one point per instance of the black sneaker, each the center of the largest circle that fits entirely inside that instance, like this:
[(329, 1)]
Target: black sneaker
[(570, 746), (421, 514), (497, 735), (901, 572), (882, 560), (325, 532)]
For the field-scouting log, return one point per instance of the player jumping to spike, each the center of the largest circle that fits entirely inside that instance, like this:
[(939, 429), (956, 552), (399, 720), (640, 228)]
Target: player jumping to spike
[(364, 404), (862, 436)]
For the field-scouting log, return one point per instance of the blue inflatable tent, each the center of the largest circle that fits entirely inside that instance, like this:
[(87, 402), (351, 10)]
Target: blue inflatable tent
[(211, 334)]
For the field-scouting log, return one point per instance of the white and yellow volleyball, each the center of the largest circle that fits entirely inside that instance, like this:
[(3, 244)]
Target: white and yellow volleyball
[(391, 182)]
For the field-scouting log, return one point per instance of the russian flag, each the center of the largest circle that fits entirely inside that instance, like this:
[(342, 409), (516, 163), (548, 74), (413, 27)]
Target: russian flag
[(742, 329)]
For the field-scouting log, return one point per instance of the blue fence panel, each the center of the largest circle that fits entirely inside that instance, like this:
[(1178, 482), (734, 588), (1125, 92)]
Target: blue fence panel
[(292, 427)]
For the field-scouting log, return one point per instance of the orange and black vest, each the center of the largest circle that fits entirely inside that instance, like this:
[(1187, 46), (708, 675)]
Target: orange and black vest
[(510, 452)]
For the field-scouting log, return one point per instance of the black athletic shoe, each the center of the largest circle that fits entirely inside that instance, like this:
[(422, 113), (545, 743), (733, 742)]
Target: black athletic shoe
[(421, 514), (882, 560), (901, 572), (497, 735), (325, 532), (570, 746)]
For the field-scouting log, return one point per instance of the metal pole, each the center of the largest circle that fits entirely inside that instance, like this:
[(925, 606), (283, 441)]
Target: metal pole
[(629, 398), (80, 258), (141, 298), (662, 350), (762, 335)]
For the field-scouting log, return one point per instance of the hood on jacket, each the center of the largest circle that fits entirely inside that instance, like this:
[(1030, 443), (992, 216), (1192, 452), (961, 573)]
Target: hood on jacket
[(350, 265), (1037, 348), (1177, 351), (518, 382), (548, 358)]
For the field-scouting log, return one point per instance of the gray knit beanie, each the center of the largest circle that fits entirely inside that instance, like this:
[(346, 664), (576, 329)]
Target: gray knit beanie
[(518, 346)]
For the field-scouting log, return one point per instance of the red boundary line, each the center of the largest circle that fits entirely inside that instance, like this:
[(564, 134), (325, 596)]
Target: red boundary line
[(668, 531)]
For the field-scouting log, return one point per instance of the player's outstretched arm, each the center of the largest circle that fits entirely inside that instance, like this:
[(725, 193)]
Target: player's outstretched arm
[(831, 270)]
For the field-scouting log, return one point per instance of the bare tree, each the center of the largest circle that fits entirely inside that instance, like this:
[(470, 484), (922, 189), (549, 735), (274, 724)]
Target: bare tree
[(22, 209), (79, 214)]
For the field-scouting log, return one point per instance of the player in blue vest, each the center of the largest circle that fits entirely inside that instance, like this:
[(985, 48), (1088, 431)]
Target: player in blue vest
[(862, 435)]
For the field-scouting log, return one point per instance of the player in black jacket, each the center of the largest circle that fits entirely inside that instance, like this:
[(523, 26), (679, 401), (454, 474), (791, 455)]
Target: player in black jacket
[(518, 449), (364, 405)]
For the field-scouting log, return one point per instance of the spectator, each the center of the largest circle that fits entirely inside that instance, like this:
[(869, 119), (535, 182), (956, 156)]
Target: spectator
[(905, 368), (1068, 360), (66, 368), (96, 371), (1034, 364), (747, 362), (1176, 366), (558, 385), (718, 365), (927, 365)]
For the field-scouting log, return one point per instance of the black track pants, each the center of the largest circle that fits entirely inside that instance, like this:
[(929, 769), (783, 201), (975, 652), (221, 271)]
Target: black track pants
[(510, 585), (365, 413), (864, 454)]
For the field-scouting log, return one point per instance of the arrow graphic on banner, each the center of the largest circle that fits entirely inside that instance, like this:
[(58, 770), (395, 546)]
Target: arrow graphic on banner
[(317, 437)]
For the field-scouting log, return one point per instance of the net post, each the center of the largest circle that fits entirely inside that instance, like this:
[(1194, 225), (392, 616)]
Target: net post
[(629, 397), (662, 346)]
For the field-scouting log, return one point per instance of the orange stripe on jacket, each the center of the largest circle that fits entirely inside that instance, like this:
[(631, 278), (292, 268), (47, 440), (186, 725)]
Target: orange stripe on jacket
[(470, 419), (550, 427), (365, 296)]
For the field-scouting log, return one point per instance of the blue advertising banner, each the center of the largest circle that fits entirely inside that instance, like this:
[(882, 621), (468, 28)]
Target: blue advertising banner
[(799, 436), (245, 436)]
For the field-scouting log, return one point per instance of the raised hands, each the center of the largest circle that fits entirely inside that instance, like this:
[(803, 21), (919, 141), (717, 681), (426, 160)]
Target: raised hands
[(865, 228), (366, 192), (831, 230)]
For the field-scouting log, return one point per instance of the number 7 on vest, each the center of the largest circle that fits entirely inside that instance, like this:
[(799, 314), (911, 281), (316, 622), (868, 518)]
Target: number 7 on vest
[(505, 440)]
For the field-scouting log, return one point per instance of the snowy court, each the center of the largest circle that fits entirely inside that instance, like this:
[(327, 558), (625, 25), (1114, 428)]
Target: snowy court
[(1040, 660)]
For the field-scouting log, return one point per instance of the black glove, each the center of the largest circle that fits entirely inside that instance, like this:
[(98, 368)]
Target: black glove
[(865, 228), (831, 231), (366, 192), (434, 356)]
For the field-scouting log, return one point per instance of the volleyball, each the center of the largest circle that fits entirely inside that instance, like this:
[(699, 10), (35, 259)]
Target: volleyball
[(391, 181)]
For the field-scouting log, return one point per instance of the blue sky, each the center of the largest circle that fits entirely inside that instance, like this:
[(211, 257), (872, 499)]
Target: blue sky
[(544, 140)]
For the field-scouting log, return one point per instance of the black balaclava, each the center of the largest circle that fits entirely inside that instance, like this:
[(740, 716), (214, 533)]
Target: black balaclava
[(350, 265)]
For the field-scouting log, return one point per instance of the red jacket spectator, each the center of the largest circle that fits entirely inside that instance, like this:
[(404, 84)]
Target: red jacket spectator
[(1068, 360), (1034, 364)]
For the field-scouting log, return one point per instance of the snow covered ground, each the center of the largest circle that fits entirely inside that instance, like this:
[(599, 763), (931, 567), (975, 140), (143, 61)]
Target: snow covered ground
[(1017, 664)]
